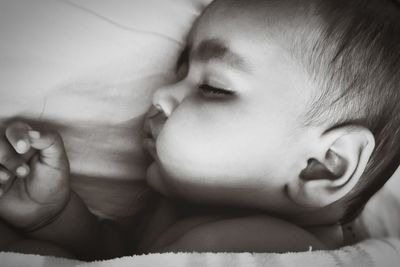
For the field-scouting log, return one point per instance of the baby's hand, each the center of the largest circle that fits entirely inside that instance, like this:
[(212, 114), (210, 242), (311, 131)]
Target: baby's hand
[(34, 176)]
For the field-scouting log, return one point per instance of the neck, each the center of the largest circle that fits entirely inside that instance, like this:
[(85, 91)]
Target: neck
[(317, 217)]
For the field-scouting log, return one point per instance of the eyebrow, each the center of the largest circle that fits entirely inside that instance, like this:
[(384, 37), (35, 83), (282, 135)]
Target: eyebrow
[(211, 49)]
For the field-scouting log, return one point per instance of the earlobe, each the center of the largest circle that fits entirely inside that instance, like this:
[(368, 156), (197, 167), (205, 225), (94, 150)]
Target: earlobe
[(326, 179)]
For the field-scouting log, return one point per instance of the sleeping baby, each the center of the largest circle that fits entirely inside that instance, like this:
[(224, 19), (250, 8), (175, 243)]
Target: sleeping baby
[(282, 123)]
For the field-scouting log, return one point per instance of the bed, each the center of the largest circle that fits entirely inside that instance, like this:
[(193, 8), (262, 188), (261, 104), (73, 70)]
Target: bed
[(88, 69)]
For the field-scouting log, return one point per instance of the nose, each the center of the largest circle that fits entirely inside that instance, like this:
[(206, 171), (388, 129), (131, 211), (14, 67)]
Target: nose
[(168, 98), (165, 101)]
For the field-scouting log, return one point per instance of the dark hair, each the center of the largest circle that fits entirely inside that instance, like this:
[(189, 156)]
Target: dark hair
[(355, 59), (351, 50)]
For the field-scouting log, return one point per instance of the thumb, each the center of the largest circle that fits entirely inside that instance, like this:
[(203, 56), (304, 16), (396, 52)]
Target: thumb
[(16, 134)]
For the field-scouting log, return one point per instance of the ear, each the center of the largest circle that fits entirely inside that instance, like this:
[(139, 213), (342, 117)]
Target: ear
[(338, 161)]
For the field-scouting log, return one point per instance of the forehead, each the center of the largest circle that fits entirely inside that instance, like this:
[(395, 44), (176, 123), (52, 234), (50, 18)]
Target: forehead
[(221, 22), (241, 24), (240, 40), (217, 37), (281, 20), (218, 49)]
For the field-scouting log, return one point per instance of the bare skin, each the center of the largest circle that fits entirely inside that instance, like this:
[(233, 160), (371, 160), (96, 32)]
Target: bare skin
[(66, 227)]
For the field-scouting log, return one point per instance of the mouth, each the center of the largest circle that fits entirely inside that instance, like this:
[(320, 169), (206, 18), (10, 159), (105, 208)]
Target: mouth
[(153, 123), (150, 146)]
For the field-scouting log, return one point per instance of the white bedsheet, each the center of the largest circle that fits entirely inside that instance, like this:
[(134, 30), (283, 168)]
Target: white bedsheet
[(88, 69), (370, 253)]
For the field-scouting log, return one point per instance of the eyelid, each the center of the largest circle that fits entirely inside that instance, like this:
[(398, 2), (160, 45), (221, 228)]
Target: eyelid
[(228, 91), (218, 85), (211, 92)]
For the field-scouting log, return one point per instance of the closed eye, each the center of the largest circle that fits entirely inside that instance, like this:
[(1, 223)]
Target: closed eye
[(214, 92)]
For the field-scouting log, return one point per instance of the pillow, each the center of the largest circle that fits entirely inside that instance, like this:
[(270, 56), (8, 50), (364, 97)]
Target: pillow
[(87, 68)]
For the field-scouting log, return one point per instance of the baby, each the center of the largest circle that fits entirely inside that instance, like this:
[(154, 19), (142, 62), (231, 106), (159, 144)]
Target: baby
[(284, 111)]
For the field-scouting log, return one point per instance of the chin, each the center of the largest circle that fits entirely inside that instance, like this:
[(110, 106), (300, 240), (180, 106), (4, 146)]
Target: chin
[(155, 179), (165, 184)]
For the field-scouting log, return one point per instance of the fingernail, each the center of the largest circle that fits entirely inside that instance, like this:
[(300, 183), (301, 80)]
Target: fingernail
[(22, 171), (34, 134), (4, 176), (22, 146)]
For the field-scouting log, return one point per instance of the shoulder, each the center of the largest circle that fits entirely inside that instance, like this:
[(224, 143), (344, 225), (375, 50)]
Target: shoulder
[(257, 233)]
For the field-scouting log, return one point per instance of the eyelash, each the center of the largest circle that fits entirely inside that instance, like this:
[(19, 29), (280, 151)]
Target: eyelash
[(214, 92)]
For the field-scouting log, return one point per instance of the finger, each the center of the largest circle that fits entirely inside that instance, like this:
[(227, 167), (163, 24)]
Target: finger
[(49, 144), (5, 175), (13, 162), (6, 179), (17, 135)]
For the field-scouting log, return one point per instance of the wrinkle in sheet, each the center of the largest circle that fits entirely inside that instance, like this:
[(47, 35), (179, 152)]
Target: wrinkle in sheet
[(43, 109), (118, 25)]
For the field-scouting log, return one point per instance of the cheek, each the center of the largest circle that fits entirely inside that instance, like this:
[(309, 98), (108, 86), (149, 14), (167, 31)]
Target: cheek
[(212, 146)]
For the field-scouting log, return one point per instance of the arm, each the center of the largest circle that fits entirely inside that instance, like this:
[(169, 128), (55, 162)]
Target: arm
[(39, 202), (75, 233), (244, 234), (83, 234), (12, 241)]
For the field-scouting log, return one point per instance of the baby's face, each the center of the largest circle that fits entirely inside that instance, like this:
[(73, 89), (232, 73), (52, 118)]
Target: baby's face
[(230, 131)]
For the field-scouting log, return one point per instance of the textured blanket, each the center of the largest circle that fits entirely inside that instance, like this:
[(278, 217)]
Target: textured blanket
[(380, 253)]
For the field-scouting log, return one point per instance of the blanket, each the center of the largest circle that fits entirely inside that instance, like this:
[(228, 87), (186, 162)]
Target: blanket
[(377, 252)]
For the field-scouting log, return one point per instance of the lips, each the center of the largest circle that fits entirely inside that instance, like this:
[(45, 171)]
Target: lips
[(148, 142), (150, 146), (154, 122)]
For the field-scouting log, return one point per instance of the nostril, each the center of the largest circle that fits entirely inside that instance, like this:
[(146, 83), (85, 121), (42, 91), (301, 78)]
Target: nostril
[(157, 112), (159, 108), (153, 111)]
